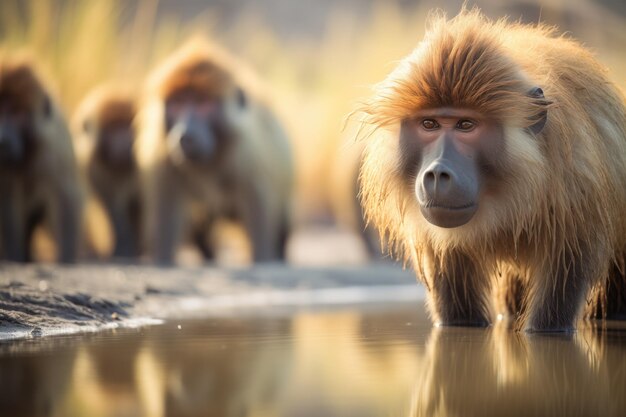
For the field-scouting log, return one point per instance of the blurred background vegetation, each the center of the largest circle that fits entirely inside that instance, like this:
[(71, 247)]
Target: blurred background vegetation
[(317, 57)]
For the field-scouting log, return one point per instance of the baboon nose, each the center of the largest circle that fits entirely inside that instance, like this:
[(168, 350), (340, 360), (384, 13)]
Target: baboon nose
[(437, 180)]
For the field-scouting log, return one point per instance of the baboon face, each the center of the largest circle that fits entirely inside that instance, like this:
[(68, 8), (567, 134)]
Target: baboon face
[(17, 137), (116, 144), (450, 153), (453, 154), (115, 138), (197, 124)]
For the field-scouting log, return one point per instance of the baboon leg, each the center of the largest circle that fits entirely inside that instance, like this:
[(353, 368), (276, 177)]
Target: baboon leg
[(65, 216), (511, 296), (168, 225), (558, 292), (283, 236), (261, 227), (611, 300), (126, 245), (12, 225), (202, 241), (70, 224), (616, 298), (459, 292), (34, 219)]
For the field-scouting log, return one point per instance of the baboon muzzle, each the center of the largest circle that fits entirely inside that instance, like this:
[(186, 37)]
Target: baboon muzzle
[(195, 140), (447, 186)]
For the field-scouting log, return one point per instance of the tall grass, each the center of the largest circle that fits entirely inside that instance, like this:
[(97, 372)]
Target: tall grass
[(83, 43)]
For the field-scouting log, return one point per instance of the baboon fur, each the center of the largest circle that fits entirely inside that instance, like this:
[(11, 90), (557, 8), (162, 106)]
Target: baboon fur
[(43, 186), (546, 238), (250, 183), (115, 185)]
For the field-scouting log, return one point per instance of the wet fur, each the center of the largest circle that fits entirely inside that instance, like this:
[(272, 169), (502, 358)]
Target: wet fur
[(555, 220)]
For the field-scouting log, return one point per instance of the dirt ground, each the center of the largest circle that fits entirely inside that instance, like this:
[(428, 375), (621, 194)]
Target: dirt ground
[(46, 299)]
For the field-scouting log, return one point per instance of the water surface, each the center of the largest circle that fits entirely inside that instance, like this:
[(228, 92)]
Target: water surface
[(358, 360)]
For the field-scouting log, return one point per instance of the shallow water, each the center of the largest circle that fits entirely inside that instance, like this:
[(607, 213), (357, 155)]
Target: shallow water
[(383, 360)]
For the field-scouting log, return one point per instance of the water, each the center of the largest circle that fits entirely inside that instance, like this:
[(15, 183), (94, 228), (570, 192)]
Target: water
[(383, 360)]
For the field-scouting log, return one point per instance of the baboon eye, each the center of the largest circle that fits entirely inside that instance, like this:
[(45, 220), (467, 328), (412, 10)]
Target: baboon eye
[(465, 125), (429, 124)]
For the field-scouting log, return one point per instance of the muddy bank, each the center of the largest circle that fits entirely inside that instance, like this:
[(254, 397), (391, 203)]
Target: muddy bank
[(42, 300)]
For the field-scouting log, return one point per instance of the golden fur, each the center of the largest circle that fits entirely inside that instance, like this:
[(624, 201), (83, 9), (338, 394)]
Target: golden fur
[(106, 104), (564, 191), (260, 162), (49, 181)]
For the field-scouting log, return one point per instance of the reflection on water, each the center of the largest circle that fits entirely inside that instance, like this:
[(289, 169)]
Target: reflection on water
[(344, 362)]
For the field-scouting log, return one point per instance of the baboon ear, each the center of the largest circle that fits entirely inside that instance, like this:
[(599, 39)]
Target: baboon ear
[(542, 117), (242, 99), (47, 107)]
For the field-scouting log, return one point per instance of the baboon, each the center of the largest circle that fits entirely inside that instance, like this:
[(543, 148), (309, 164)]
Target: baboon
[(210, 149), (105, 138), (38, 175), (498, 158)]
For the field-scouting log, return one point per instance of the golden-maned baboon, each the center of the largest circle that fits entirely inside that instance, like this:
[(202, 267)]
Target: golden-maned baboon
[(499, 158), (105, 136), (38, 176), (209, 148)]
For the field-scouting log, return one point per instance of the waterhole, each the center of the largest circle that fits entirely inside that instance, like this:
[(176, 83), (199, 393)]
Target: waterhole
[(354, 360)]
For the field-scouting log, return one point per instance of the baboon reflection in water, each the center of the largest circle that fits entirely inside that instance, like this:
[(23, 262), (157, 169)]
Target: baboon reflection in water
[(497, 372)]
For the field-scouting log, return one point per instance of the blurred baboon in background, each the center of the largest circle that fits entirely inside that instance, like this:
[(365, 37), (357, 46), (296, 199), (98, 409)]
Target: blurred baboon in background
[(210, 149), (105, 137), (38, 175), (346, 206)]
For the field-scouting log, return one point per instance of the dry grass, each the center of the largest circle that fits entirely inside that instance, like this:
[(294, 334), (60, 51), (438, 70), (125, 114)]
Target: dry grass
[(84, 43), (314, 83)]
